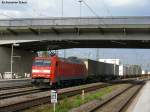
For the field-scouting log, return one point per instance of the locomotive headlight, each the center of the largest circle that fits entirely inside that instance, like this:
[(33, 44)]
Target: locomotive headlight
[(46, 71), (41, 71), (35, 71)]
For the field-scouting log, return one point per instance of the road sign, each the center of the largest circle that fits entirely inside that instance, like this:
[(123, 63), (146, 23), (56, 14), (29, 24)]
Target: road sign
[(53, 96)]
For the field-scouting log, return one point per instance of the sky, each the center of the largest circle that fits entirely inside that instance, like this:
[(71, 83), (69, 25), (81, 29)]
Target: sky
[(49, 8), (126, 56), (88, 8)]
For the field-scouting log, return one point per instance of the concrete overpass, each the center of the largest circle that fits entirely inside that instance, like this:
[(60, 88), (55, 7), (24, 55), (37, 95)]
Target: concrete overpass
[(58, 33)]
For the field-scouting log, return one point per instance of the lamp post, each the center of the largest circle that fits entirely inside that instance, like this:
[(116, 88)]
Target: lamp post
[(62, 8), (80, 1), (11, 57)]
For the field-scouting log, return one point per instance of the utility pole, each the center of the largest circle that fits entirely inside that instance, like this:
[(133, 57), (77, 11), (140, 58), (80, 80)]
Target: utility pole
[(80, 1), (62, 8), (12, 56), (97, 54), (62, 15)]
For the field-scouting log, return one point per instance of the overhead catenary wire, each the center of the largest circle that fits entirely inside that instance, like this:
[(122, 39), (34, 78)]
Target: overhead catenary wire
[(111, 15), (107, 9), (94, 13), (90, 8), (37, 12), (7, 16)]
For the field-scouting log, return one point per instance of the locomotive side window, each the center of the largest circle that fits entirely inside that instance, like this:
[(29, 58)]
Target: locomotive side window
[(42, 63)]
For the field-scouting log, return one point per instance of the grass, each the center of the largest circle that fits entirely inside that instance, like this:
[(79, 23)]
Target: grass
[(68, 103)]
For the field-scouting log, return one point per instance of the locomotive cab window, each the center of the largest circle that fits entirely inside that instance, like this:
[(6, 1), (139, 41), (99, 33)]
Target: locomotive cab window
[(42, 63)]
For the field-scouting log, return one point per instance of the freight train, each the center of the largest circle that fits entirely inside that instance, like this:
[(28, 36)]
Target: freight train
[(130, 71), (56, 71)]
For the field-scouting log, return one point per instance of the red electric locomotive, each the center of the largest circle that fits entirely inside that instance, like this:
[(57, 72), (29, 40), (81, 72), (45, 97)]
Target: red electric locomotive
[(54, 70)]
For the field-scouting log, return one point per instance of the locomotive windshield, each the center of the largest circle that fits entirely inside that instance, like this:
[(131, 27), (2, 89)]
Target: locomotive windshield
[(41, 63)]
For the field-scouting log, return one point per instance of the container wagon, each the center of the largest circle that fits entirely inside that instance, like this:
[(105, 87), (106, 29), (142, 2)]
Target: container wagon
[(99, 71), (129, 71)]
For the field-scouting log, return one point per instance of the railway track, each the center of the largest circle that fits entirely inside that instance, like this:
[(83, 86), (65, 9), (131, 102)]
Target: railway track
[(14, 87), (18, 103), (18, 92), (21, 101), (118, 101)]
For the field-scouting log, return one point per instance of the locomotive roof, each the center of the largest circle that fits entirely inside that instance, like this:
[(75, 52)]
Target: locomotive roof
[(69, 59)]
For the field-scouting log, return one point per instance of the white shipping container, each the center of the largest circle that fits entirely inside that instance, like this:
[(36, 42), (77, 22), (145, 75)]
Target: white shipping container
[(111, 61), (122, 70), (143, 72)]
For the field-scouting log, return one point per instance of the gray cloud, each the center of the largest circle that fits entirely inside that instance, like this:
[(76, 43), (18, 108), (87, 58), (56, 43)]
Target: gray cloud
[(48, 8)]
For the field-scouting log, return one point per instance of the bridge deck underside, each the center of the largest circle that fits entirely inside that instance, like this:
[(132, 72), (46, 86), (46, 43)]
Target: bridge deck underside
[(51, 45)]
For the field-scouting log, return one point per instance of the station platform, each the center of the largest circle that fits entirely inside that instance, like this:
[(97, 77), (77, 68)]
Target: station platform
[(10, 80), (142, 102), (14, 82)]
